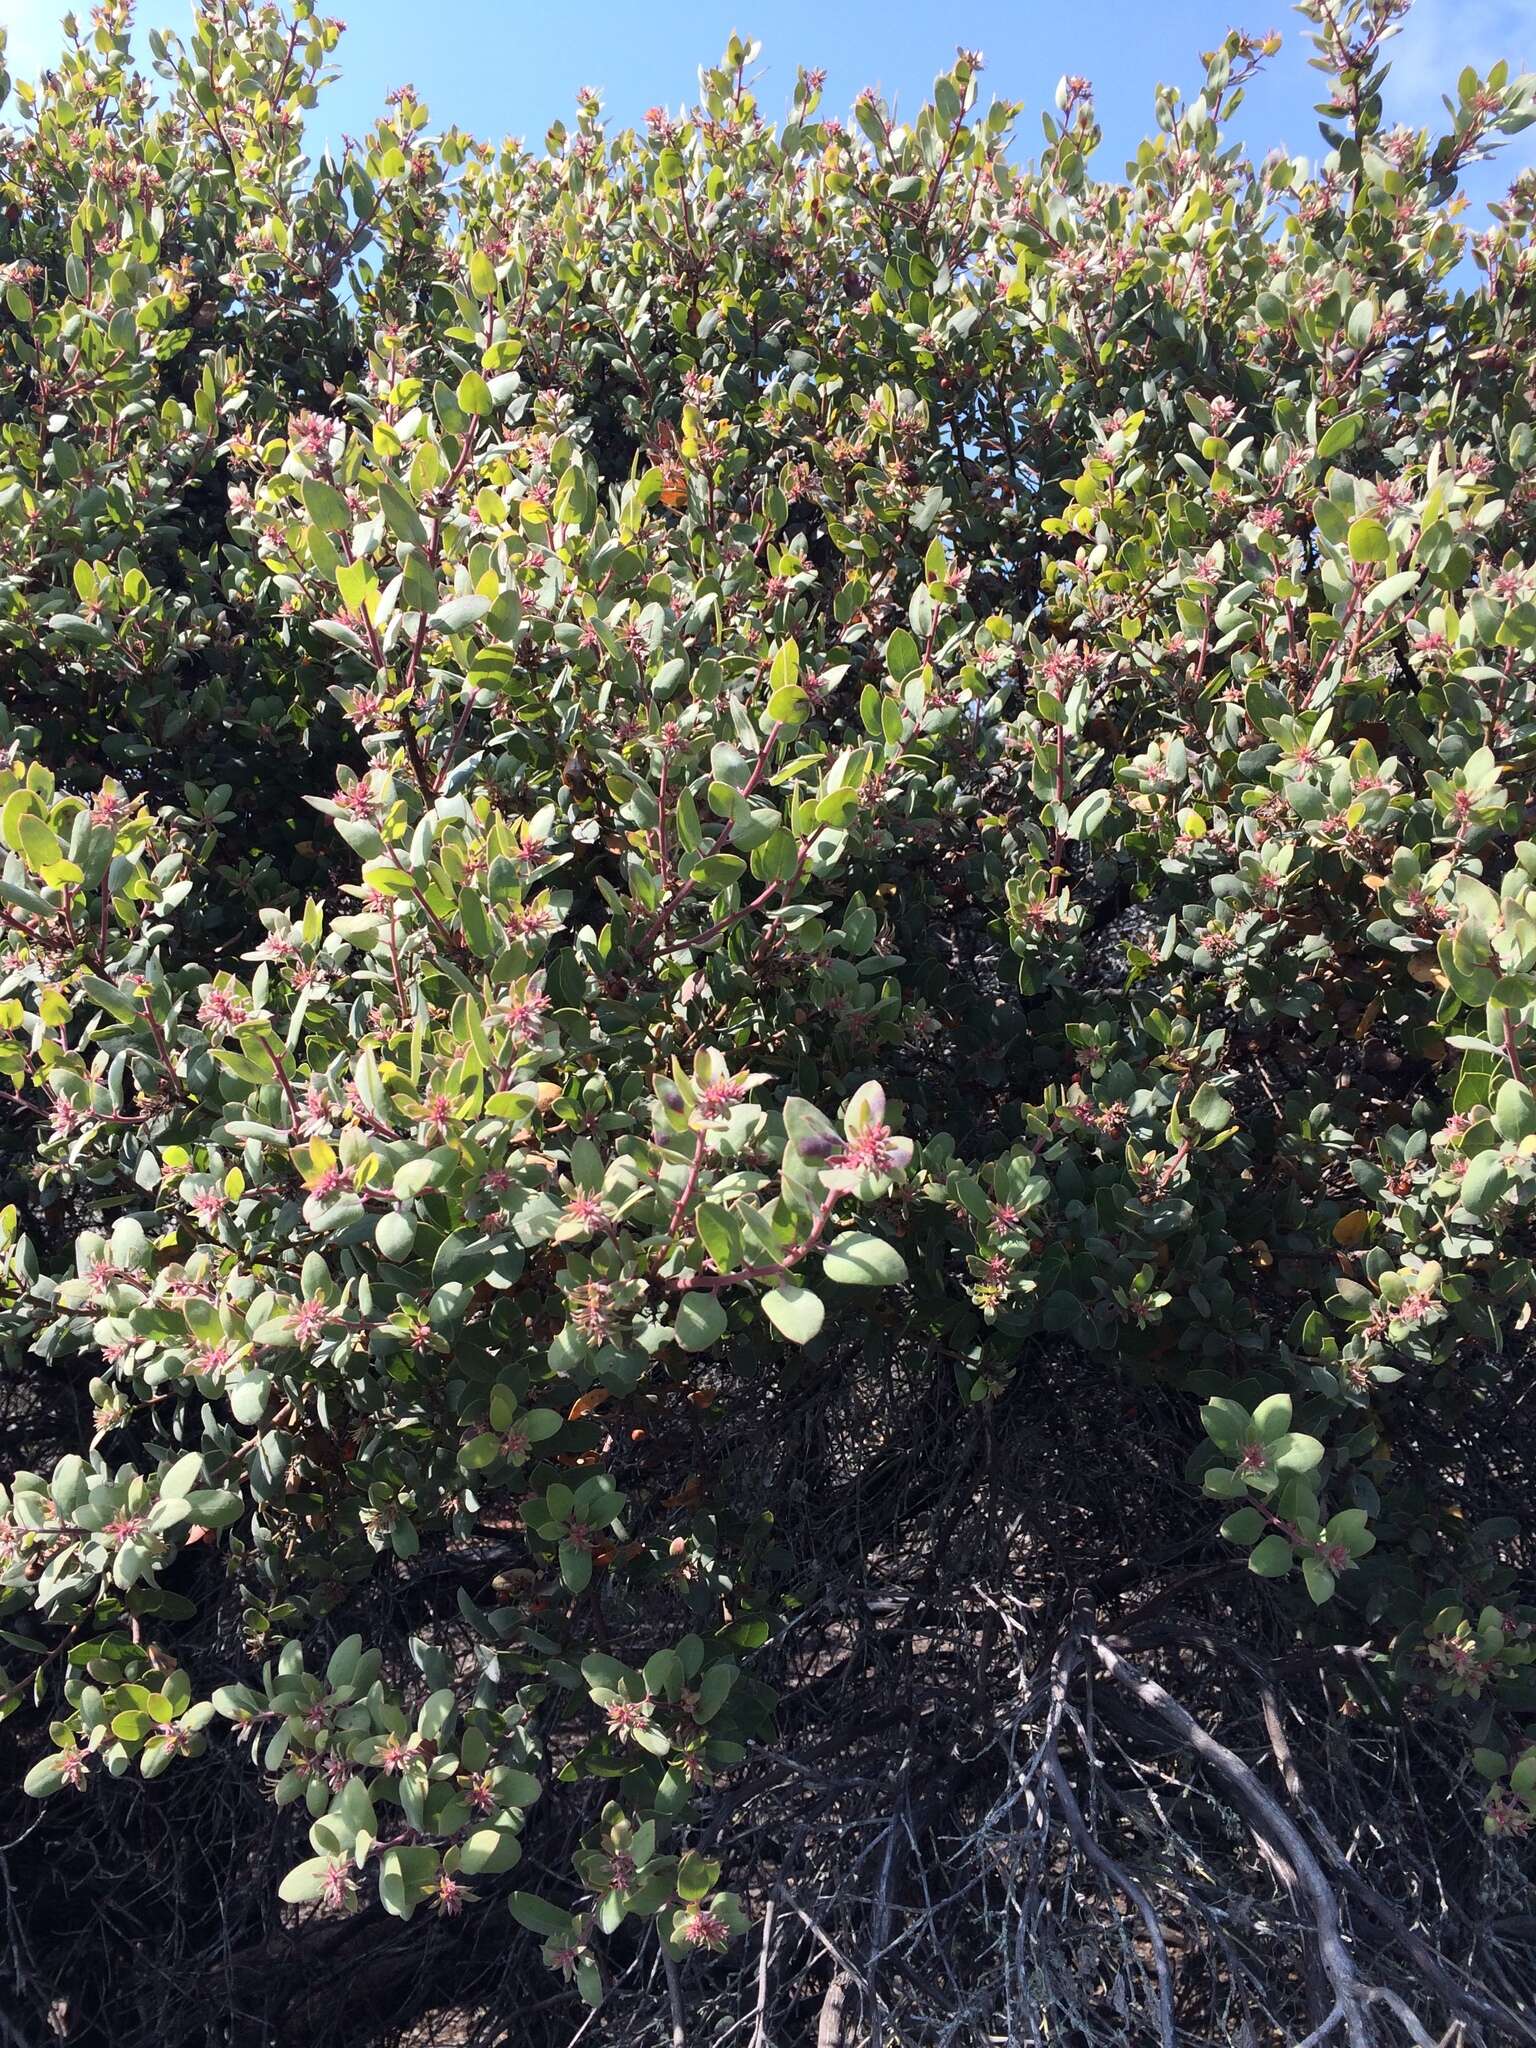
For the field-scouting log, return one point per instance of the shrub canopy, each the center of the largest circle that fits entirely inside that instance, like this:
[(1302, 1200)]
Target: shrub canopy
[(660, 780)]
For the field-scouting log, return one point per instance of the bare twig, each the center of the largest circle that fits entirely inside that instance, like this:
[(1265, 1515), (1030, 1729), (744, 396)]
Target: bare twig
[(675, 1999), (1350, 1990)]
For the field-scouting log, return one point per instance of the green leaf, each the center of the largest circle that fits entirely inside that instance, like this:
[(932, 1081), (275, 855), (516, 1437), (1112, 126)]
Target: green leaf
[(794, 1312), (1271, 1558), (343, 1661), (713, 1690), (1296, 1453), (178, 1479), (45, 1777), (109, 998), (789, 705), (353, 1808), (1340, 434), (700, 1321), (1485, 1183), (406, 1875), (784, 670), (394, 1234), (39, 843), (1090, 814), (248, 1396), (902, 655), (437, 1712), (858, 1260), (325, 505), (455, 613), (1210, 1108), (1368, 541), (1387, 592), (405, 522), (474, 396), (1246, 1526), (720, 1234), (1349, 1528), (488, 1851), (1272, 1417), (305, 1881), (663, 1674), (575, 1566), (538, 1915), (1225, 1422), (1319, 1580), (697, 1875)]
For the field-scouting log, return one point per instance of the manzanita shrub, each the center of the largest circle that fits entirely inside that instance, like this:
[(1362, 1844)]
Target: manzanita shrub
[(528, 675)]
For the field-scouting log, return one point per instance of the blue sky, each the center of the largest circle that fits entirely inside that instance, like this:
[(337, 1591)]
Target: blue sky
[(509, 67)]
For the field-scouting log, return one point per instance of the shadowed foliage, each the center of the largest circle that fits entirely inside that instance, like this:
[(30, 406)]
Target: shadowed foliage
[(768, 991)]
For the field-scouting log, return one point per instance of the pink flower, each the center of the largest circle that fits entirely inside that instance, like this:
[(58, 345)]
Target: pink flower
[(702, 1929), (213, 1359), (222, 1010), (586, 1211), (310, 1319), (718, 1099), (625, 1717), (876, 1150), (521, 1016)]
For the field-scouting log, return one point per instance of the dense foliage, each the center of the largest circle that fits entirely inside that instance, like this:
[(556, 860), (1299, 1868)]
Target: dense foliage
[(641, 777)]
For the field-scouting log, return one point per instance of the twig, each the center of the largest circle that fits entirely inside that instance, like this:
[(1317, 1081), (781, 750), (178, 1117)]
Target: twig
[(675, 1999), (759, 2024), (1106, 1865), (1455, 1994), (881, 1926), (1270, 1820), (832, 2025)]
